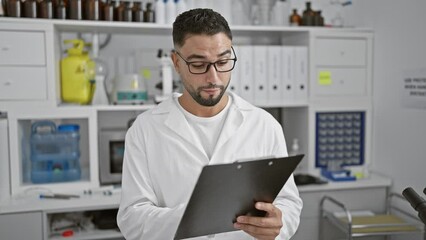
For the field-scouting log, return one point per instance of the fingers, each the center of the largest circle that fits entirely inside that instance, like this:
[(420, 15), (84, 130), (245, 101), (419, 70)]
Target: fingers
[(267, 227)]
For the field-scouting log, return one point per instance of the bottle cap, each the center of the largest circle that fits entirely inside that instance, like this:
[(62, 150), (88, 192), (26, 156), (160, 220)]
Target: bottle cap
[(68, 128)]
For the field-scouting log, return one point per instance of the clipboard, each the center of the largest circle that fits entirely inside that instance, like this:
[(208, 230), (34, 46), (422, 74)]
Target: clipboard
[(225, 191)]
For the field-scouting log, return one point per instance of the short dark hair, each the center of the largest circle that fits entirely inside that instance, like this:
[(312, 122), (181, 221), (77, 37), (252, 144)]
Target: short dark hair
[(199, 21)]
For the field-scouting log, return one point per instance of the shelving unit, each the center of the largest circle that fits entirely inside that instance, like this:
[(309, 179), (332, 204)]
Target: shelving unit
[(329, 50)]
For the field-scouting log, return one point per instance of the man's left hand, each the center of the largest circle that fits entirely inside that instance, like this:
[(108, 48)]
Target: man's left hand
[(262, 228)]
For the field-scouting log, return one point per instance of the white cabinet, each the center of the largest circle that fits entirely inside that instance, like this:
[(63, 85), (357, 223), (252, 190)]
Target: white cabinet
[(22, 48), (341, 65), (23, 83), (337, 76), (21, 226)]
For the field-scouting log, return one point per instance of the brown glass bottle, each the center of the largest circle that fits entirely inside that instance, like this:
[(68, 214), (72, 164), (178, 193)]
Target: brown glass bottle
[(108, 11), (137, 12), (91, 9), (45, 9), (119, 11), (60, 9), (75, 9), (308, 15), (318, 19), (148, 14), (128, 15), (295, 19), (14, 8), (30, 8)]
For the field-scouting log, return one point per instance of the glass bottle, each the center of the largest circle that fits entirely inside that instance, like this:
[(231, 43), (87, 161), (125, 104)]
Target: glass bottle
[(45, 9), (61, 9), (100, 96), (319, 19), (119, 11), (148, 14), (108, 11), (30, 8), (128, 14), (14, 8), (137, 12), (75, 9), (91, 9), (295, 19), (308, 15)]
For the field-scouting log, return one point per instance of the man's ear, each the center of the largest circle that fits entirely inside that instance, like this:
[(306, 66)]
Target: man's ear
[(175, 59)]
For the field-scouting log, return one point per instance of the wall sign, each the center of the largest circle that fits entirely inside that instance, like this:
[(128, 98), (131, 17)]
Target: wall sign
[(414, 88)]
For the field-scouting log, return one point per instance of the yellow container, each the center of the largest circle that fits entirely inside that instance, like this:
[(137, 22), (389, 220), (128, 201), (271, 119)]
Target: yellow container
[(77, 71)]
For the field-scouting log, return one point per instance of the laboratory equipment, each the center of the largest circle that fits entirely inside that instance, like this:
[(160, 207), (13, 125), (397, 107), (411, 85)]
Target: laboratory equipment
[(339, 143), (55, 152), (75, 77), (364, 223), (167, 76)]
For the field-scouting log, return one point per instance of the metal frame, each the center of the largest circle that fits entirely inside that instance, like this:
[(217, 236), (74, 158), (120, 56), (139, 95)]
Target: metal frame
[(348, 227)]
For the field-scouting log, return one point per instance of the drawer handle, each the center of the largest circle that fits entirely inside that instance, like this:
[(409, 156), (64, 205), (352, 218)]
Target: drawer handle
[(7, 83), (5, 48)]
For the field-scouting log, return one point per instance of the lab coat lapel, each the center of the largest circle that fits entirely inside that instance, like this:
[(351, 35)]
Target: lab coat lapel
[(233, 121), (177, 123)]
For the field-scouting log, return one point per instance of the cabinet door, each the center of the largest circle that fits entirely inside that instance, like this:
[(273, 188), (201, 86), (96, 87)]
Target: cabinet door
[(21, 226), (23, 83), (22, 48)]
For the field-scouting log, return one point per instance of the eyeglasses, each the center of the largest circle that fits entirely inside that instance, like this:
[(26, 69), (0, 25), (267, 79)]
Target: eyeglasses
[(201, 67)]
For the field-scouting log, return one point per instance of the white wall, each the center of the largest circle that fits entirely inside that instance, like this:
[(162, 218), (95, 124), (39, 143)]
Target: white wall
[(400, 44)]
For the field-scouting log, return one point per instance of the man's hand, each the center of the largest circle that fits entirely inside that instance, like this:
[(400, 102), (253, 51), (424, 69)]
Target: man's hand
[(262, 228)]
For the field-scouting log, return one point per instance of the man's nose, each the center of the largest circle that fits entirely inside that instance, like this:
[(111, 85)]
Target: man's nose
[(211, 74)]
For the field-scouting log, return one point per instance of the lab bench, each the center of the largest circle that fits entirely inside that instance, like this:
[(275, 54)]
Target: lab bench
[(32, 214)]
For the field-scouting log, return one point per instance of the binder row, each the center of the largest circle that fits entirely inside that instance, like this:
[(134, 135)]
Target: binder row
[(271, 75)]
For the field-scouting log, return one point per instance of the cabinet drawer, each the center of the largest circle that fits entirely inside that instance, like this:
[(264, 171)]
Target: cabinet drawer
[(341, 82), (23, 83), (341, 52), (22, 48)]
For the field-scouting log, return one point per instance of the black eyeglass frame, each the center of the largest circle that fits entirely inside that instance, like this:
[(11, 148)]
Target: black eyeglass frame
[(209, 64)]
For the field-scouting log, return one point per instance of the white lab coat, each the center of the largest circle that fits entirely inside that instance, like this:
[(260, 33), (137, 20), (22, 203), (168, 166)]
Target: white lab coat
[(162, 162)]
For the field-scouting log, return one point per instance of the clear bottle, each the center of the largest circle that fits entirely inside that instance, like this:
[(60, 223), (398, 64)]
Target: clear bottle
[(181, 6), (100, 96), (160, 12), (170, 11), (294, 147)]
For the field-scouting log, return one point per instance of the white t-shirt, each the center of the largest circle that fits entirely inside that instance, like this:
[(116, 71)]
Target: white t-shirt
[(206, 129)]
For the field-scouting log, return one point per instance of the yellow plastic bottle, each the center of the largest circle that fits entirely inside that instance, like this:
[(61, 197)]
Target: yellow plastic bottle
[(77, 71)]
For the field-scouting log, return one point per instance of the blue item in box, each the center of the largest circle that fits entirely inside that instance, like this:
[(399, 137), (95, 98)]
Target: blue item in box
[(55, 153)]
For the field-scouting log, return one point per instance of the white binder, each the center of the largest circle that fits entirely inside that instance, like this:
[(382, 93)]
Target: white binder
[(301, 73), (274, 82), (287, 59), (260, 58), (235, 85), (246, 73)]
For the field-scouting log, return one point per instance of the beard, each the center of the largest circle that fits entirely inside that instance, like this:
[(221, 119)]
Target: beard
[(210, 101)]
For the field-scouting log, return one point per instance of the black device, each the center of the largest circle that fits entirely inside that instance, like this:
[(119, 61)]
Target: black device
[(417, 202), (225, 191)]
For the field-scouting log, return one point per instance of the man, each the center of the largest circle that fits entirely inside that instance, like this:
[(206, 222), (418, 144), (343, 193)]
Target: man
[(167, 146)]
